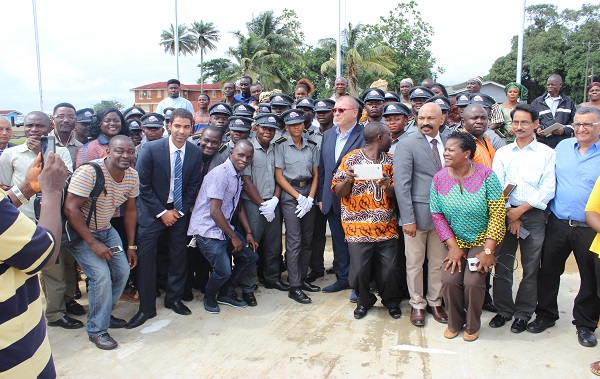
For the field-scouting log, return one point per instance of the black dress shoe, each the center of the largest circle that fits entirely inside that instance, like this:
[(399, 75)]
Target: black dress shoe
[(77, 295), (67, 323), (360, 312), (117, 323), (490, 307), (498, 321), (299, 296), (139, 318), (179, 308), (313, 275), (518, 326), (187, 296), (278, 285), (539, 325), (395, 312), (586, 337), (75, 308), (104, 341), (250, 299), (310, 287)]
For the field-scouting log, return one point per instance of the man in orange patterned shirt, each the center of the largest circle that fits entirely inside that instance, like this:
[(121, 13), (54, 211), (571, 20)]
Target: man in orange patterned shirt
[(369, 221)]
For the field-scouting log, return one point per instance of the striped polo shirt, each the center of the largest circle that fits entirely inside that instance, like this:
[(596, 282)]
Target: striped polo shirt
[(24, 347), (82, 183)]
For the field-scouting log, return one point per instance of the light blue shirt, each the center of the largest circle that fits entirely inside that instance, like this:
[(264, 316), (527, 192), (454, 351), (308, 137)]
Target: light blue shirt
[(576, 175), (178, 102), (340, 141)]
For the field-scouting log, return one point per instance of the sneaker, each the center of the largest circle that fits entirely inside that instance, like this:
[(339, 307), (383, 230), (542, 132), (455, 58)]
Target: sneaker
[(231, 300), (338, 286), (211, 306)]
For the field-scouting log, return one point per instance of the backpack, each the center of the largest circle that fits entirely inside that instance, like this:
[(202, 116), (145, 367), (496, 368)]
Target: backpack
[(69, 235)]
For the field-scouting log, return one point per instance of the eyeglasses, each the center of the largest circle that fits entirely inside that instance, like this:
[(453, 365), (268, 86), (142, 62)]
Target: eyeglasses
[(341, 110), (61, 117), (521, 123), (588, 125)]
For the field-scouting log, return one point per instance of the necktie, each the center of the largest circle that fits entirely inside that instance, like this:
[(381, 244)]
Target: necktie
[(177, 183), (436, 154)]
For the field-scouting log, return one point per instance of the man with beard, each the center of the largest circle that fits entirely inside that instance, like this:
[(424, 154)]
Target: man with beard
[(418, 96)]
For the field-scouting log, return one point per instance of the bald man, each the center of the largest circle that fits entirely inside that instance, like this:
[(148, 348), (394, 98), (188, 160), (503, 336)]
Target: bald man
[(417, 159)]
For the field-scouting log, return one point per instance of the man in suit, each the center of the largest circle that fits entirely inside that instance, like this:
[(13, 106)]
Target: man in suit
[(346, 136), (416, 160), (170, 176)]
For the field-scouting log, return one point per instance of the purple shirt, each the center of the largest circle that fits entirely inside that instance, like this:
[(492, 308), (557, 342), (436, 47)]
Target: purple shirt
[(224, 183)]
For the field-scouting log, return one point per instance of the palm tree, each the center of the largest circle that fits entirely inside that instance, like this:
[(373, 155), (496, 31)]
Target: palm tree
[(187, 42), (206, 33), (362, 56)]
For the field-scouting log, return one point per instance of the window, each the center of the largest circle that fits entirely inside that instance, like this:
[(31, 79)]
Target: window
[(149, 94), (159, 94), (142, 93), (214, 93)]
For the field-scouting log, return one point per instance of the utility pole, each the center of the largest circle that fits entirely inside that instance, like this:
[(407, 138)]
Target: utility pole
[(37, 54), (176, 40), (587, 68)]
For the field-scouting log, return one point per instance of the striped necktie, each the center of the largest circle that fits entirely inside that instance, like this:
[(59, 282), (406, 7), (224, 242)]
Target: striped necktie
[(436, 154), (177, 202)]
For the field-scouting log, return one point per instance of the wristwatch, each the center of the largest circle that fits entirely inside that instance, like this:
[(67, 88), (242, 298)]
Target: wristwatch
[(132, 247), (15, 189), (487, 251)]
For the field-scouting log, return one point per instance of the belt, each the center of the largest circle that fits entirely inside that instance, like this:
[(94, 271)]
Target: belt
[(572, 223), (300, 182)]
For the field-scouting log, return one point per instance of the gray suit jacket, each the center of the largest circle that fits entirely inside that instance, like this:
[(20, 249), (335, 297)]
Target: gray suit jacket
[(414, 168)]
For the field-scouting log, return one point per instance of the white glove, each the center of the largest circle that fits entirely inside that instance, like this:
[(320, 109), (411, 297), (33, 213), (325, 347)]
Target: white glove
[(269, 205), (303, 210), (301, 201), (309, 204), (269, 216)]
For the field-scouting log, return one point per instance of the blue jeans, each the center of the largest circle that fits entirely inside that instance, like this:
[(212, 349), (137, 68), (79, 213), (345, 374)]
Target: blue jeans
[(107, 279), (223, 279)]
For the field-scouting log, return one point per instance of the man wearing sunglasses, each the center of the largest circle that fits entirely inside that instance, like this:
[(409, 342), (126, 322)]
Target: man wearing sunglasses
[(346, 136)]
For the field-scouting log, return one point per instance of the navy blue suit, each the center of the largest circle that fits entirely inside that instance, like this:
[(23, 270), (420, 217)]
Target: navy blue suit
[(330, 202), (154, 169)]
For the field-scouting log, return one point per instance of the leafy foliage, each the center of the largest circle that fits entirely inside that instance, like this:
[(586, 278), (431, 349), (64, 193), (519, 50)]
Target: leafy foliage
[(187, 41), (108, 104)]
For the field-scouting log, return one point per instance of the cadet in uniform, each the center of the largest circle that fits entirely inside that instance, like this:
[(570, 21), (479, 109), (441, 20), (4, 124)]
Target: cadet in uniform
[(279, 104), (391, 97), (84, 119), (239, 128), (444, 103), (373, 99), (308, 106), (135, 126), (297, 172), (396, 117), (219, 116), (244, 110), (260, 199), (133, 113), (417, 95)]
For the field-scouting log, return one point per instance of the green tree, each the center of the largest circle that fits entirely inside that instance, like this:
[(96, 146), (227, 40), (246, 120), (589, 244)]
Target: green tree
[(108, 104), (409, 36), (554, 43), (205, 33), (187, 41), (218, 69), (363, 57)]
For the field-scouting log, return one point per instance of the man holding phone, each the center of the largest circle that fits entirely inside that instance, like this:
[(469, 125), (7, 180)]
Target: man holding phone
[(100, 253), (530, 166)]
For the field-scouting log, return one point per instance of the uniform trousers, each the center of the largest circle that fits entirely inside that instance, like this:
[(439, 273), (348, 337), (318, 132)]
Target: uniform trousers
[(560, 240), (317, 260), (268, 236), (426, 243), (524, 303), (298, 236), (59, 283), (380, 258), (463, 294)]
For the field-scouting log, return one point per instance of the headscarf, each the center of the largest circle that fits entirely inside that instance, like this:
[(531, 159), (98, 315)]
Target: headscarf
[(264, 96), (477, 79), (522, 89)]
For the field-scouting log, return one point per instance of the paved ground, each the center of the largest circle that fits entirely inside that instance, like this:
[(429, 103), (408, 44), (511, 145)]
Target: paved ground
[(283, 339)]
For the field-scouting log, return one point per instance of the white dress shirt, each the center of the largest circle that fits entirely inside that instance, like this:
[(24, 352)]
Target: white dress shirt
[(440, 146), (173, 155)]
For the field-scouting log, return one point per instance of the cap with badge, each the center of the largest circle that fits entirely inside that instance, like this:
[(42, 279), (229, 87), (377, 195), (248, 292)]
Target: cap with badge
[(240, 123), (392, 96), (133, 112), (396, 108), (442, 101), (153, 120), (168, 112), (264, 108), (361, 104), (293, 116), (305, 102), (324, 105), (280, 99), (482, 99), (220, 108), (269, 120), (134, 124), (85, 116), (245, 110), (462, 100), (373, 94), (420, 92)]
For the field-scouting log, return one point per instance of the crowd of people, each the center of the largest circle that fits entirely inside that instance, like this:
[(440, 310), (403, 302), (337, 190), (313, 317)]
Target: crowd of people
[(424, 194)]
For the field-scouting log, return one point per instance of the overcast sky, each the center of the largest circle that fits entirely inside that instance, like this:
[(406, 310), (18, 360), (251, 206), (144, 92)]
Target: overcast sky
[(96, 50)]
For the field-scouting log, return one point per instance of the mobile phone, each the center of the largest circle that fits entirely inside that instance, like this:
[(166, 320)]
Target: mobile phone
[(368, 171), (473, 264), (116, 249), (523, 233), (47, 144), (510, 187)]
